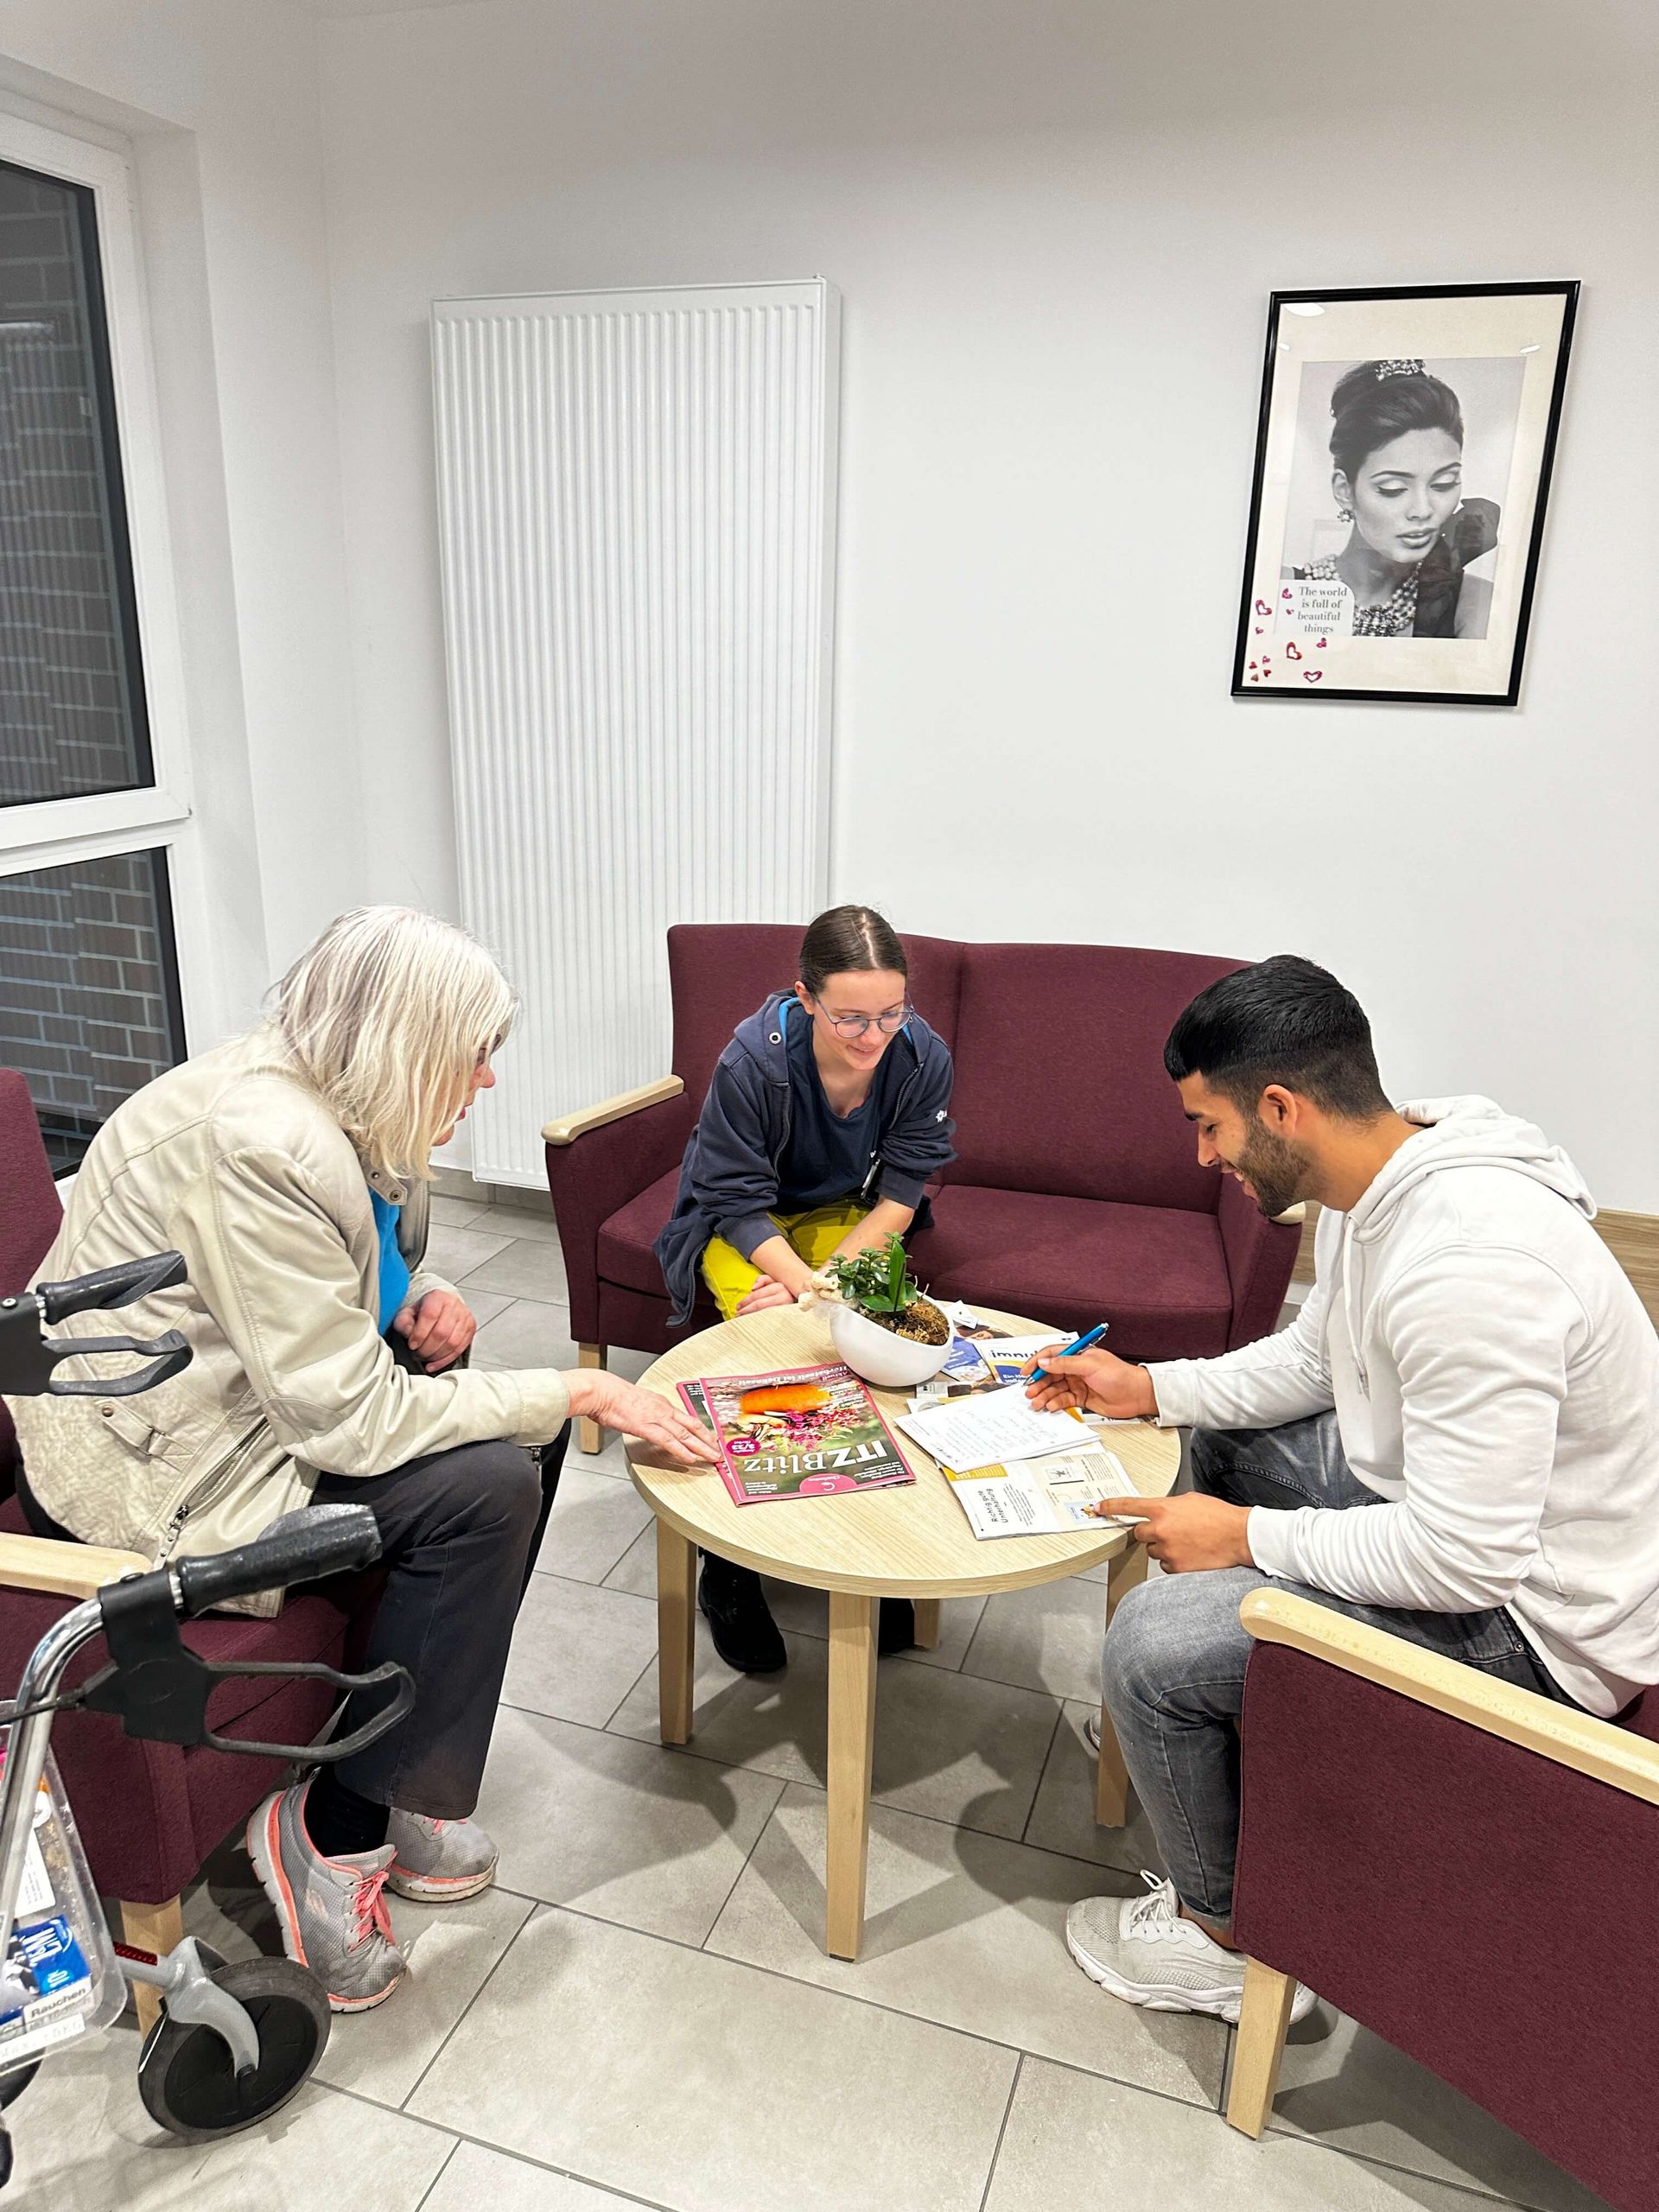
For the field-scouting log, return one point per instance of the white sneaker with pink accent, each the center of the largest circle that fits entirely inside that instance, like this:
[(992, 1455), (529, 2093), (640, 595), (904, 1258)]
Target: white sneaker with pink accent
[(438, 1860)]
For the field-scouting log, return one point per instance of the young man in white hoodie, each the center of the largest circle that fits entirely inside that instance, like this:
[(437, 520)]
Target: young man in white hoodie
[(1471, 1368)]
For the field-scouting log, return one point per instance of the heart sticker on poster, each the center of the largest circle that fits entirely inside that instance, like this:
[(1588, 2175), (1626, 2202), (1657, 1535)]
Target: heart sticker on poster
[(1313, 676), (1287, 592), (1321, 644), (1292, 651), (1262, 606)]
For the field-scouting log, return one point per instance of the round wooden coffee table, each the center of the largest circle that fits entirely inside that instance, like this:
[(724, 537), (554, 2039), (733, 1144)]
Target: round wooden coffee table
[(910, 1542)]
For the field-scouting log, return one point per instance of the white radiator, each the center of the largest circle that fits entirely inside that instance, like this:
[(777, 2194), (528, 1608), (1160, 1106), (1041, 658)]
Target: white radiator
[(637, 517)]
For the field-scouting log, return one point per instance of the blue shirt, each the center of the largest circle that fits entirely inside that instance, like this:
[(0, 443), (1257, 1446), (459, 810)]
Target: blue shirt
[(394, 1267), (830, 1156)]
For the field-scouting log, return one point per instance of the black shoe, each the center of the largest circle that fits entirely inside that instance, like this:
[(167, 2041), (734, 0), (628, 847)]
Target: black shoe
[(896, 1629), (740, 1620)]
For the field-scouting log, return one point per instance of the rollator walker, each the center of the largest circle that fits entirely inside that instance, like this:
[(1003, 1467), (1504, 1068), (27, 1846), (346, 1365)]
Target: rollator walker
[(233, 2042)]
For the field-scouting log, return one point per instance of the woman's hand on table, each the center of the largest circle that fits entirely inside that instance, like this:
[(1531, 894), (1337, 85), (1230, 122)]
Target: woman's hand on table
[(595, 1395), (438, 1328), (1098, 1382)]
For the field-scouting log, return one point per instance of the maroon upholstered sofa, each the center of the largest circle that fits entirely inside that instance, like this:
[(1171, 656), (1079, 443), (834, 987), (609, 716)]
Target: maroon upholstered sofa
[(149, 1814), (1465, 1867), (1076, 1194)]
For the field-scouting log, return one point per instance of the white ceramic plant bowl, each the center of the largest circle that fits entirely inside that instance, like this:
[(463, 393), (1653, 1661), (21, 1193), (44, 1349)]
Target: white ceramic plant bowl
[(891, 1363)]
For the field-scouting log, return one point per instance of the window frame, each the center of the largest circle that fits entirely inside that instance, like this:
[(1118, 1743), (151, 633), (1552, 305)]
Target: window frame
[(54, 833)]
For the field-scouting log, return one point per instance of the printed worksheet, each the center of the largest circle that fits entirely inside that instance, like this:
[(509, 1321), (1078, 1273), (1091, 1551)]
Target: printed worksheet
[(997, 1428), (1041, 1497)]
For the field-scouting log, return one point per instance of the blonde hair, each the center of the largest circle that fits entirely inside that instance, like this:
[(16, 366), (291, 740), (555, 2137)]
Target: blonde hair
[(388, 1015)]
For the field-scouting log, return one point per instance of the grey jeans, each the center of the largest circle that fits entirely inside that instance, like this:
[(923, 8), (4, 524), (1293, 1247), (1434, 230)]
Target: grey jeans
[(1173, 1669)]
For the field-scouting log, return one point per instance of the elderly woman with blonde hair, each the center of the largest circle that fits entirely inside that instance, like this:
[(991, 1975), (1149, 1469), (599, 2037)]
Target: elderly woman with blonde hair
[(291, 1169)]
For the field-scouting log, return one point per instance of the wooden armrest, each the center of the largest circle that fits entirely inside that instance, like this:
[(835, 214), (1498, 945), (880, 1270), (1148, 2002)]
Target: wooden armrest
[(65, 1570), (569, 1127), (1560, 1733)]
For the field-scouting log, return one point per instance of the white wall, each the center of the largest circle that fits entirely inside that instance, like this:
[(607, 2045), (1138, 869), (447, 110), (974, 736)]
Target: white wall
[(219, 100), (1055, 224)]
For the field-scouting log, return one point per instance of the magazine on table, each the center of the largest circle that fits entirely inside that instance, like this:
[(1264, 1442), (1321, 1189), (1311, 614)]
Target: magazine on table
[(1040, 1498), (798, 1431)]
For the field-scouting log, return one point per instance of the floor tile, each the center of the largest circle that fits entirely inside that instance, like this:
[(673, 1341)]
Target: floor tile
[(524, 1268), (476, 2176), (484, 1305), (85, 2144), (1074, 2142), (636, 1571), (1063, 1818), (628, 1832), (450, 1949), (527, 1334), (969, 1751), (462, 1213), (965, 1930), (593, 1520), (1046, 1638), (454, 1253), (577, 1650), (530, 1227), (1348, 2089), (704, 2085)]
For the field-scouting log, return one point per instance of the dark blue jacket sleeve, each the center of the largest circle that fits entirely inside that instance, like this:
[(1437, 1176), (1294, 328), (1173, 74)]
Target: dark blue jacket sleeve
[(732, 1176), (921, 1144)]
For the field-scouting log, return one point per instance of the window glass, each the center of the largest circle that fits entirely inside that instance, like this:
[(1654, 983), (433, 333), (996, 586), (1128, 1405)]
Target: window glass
[(72, 697), (89, 1002)]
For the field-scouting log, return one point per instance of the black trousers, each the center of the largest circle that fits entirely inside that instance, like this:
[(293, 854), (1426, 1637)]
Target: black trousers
[(459, 1533)]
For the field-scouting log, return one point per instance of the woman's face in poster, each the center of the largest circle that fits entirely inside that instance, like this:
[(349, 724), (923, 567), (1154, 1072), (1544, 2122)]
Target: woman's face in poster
[(1405, 494)]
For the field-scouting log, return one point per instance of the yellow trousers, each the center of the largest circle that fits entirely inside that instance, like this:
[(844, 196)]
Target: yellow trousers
[(814, 1235)]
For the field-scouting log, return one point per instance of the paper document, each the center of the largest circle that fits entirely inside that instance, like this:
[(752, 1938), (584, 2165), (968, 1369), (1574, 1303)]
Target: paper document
[(1040, 1498), (999, 1427)]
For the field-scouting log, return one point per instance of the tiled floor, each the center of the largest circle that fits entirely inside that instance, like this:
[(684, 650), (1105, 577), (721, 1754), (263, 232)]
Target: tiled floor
[(641, 2011)]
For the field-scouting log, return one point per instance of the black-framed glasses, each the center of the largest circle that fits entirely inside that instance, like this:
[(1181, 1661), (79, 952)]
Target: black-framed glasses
[(853, 1026)]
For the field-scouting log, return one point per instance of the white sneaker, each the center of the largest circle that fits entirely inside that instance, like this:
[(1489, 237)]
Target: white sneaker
[(1091, 1729), (438, 1861), (1142, 1950)]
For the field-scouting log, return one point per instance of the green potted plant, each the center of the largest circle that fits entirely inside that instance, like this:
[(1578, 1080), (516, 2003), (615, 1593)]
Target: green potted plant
[(883, 1327)]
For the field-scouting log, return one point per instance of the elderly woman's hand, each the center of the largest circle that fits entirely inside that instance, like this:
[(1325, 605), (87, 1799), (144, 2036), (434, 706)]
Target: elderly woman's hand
[(439, 1328), (665, 1422)]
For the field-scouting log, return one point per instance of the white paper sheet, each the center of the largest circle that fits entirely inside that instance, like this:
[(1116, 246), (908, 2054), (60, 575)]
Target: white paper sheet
[(999, 1427)]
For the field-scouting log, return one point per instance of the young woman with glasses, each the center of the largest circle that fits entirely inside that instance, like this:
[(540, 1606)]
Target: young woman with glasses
[(828, 1114)]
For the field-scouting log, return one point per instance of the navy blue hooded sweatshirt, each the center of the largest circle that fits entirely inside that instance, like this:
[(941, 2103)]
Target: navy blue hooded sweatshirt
[(732, 1171)]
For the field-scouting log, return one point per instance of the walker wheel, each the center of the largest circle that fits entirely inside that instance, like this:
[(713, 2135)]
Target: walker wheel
[(185, 2074)]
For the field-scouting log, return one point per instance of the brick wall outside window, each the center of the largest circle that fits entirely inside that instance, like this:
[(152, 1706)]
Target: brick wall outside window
[(88, 1012)]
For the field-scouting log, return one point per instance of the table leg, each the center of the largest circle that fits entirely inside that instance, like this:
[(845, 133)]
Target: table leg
[(852, 1738), (677, 1596), (1112, 1781), (927, 1623), (589, 1434)]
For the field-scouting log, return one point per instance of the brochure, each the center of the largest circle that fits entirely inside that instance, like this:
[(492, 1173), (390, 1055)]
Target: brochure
[(800, 1431), (1040, 1498)]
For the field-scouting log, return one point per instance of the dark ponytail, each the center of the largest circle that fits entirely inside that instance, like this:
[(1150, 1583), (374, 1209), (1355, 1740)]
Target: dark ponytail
[(1379, 400), (849, 940)]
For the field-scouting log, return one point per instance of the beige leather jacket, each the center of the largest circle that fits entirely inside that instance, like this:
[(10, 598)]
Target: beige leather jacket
[(234, 1161)]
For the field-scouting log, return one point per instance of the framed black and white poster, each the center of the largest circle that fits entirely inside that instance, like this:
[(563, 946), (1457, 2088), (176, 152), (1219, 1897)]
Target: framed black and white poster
[(1402, 464)]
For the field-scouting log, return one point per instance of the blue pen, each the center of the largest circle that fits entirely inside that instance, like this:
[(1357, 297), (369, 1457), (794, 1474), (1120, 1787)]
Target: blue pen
[(1070, 1351)]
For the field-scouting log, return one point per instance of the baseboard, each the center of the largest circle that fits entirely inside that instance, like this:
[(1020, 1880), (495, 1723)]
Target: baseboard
[(1632, 1238), (456, 1183)]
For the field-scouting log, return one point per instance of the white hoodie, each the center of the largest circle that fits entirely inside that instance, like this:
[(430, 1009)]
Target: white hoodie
[(1495, 1380)]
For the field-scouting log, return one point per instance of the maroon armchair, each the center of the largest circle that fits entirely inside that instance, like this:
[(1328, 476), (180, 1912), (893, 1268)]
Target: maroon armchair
[(149, 1814), (1466, 1868), (1075, 1195)]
